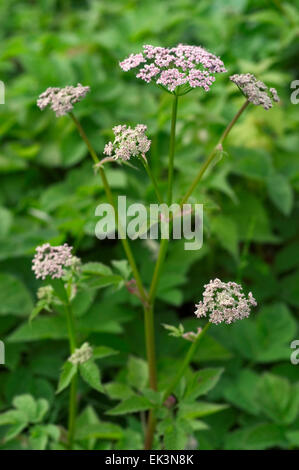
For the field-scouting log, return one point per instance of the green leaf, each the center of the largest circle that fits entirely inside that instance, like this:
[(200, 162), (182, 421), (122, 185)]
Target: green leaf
[(137, 372), (90, 373), (82, 302), (103, 281), (175, 437), (14, 297), (123, 267), (289, 287), (259, 437), (41, 410), (59, 289), (14, 430), (68, 372), (251, 163), (242, 391), (279, 400), (267, 338), (6, 218), (12, 417), (39, 436), (96, 269), (100, 352), (225, 229), (202, 382), (99, 430), (293, 438), (37, 309), (26, 404), (131, 405), (280, 193), (199, 409), (53, 327), (118, 391)]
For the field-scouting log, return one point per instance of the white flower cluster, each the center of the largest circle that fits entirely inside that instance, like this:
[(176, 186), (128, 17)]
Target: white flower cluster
[(81, 355), (128, 143), (224, 302)]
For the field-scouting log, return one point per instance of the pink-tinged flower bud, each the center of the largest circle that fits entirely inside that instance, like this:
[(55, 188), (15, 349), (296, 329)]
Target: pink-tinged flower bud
[(170, 401)]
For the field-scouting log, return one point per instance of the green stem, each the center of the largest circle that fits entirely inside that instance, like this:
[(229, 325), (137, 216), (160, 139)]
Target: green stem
[(157, 270), (150, 345), (109, 195), (172, 148), (72, 411), (212, 155), (186, 362), (73, 389), (153, 180), (149, 323), (164, 242), (151, 423)]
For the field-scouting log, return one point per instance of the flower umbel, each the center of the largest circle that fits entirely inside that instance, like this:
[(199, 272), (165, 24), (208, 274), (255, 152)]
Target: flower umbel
[(255, 90), (81, 355), (192, 66), (224, 302), (51, 260), (62, 100), (127, 143)]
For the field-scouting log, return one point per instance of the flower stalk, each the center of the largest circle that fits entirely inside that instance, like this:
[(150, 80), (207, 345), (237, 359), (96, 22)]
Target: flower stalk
[(109, 195), (213, 154), (153, 180), (151, 424), (188, 358), (172, 147), (74, 382)]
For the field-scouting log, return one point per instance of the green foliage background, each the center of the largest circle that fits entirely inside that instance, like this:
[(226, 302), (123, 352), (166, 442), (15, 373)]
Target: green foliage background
[(48, 192)]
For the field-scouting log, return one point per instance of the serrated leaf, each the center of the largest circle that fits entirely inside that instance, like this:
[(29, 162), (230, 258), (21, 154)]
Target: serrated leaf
[(14, 297), (37, 309), (175, 438), (279, 399), (280, 193), (100, 352), (199, 409), (137, 372), (96, 269), (26, 404), (68, 372), (59, 289), (131, 405), (90, 373), (99, 430), (123, 267), (14, 430), (118, 391), (259, 437), (202, 382)]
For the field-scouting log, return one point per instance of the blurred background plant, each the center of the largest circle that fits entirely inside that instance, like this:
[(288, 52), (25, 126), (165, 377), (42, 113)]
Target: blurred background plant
[(49, 194)]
